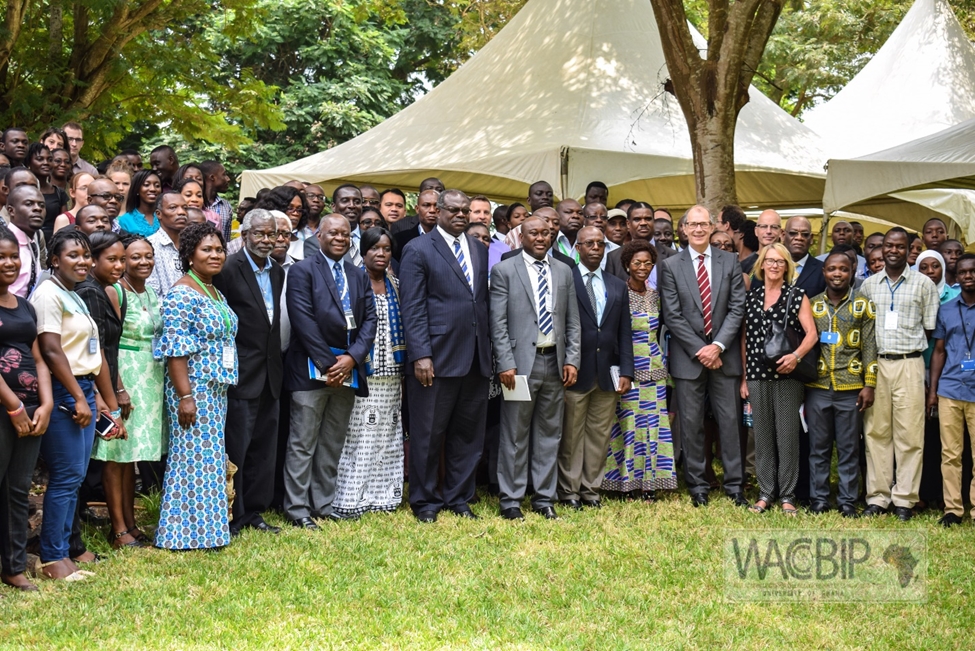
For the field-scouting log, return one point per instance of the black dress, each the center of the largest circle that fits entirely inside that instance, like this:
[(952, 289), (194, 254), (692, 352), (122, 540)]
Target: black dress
[(108, 322)]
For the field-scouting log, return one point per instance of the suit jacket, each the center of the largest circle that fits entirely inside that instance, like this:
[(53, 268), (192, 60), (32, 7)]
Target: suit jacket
[(514, 322), (606, 343), (405, 224), (404, 237), (442, 319), (811, 279), (614, 263), (558, 255), (318, 321), (682, 312), (259, 341)]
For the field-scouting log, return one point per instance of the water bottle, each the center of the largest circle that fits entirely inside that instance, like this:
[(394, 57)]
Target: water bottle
[(747, 414)]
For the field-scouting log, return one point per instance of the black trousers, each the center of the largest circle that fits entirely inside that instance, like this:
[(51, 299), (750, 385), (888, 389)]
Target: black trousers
[(17, 459), (448, 416), (252, 444)]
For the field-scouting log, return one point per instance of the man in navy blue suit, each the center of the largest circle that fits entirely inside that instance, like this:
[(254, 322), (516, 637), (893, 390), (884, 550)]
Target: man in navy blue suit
[(444, 301), (590, 404), (333, 323)]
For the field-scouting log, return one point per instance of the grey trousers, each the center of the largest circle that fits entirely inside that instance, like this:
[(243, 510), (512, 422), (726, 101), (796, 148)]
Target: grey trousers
[(833, 415), (723, 392), (587, 426), (534, 426), (319, 424)]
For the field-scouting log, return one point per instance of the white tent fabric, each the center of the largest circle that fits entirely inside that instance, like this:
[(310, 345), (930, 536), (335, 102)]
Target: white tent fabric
[(934, 174), (570, 91), (921, 81)]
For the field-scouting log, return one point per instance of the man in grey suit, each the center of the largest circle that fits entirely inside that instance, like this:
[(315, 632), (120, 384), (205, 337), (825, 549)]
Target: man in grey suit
[(536, 332), (702, 302)]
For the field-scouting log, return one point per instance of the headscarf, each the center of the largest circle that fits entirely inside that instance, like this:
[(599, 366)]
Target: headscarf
[(936, 256)]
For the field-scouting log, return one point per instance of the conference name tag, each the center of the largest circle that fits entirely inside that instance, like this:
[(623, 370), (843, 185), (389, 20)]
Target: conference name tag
[(890, 321), (227, 359), (349, 321), (829, 337), (93, 346), (968, 365)]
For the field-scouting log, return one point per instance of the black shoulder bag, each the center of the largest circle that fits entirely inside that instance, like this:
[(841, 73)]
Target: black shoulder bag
[(781, 339)]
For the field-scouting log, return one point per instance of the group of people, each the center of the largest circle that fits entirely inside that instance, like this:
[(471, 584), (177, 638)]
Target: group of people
[(569, 352)]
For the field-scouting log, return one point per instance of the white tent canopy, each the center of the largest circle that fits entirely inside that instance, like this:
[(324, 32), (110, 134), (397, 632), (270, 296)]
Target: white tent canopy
[(570, 91), (908, 184), (921, 81)]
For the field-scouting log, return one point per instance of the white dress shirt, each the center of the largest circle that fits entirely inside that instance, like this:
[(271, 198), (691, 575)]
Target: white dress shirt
[(598, 288), (543, 341)]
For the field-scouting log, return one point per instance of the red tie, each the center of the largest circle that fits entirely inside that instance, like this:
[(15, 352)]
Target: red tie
[(705, 286)]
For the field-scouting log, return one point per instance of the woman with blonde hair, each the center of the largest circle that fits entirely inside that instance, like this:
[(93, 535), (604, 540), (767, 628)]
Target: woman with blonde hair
[(78, 191)]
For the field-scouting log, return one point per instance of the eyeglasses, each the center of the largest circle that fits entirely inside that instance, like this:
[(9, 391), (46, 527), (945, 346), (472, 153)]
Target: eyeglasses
[(768, 227), (75, 139), (453, 210), (108, 195), (803, 234), (644, 264), (294, 209), (775, 263), (592, 244), (697, 226), (263, 235)]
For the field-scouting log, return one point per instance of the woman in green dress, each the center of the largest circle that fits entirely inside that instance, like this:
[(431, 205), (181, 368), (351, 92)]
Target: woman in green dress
[(140, 384)]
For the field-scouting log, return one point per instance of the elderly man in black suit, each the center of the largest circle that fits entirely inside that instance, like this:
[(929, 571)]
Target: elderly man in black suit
[(252, 284), (333, 323), (590, 404), (809, 270), (639, 221), (444, 303)]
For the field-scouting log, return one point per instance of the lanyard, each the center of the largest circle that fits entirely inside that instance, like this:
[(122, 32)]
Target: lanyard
[(80, 303), (220, 304), (834, 313), (969, 341), (893, 290)]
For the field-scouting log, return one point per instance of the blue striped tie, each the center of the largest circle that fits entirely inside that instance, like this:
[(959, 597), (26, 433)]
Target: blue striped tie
[(544, 315), (462, 261), (340, 286)]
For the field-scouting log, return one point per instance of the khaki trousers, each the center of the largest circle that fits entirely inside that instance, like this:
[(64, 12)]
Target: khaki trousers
[(953, 415), (894, 431), (586, 428)]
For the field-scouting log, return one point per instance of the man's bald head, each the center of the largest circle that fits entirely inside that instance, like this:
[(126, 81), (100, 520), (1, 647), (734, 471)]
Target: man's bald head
[(768, 228), (798, 237)]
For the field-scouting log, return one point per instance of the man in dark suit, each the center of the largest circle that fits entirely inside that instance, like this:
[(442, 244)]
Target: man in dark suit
[(411, 222), (444, 302), (702, 302), (809, 270), (552, 217), (536, 333), (252, 284), (426, 213), (590, 404), (333, 323), (639, 221)]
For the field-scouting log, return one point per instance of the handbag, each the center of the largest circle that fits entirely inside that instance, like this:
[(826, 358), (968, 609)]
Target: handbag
[(782, 339)]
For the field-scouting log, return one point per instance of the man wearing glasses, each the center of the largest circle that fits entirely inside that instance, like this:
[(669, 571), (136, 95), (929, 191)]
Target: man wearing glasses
[(104, 193), (76, 140), (809, 270), (702, 301)]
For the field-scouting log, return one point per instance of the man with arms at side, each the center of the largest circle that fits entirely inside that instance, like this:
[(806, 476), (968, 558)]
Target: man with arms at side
[(427, 214), (533, 303), (702, 300), (333, 323), (444, 302), (590, 404), (907, 312), (252, 284)]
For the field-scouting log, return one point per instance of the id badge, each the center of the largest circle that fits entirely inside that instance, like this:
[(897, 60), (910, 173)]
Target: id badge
[(968, 365), (890, 321), (93, 346), (829, 337), (349, 321), (228, 357)]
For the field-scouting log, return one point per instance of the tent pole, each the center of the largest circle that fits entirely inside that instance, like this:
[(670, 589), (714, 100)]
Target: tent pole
[(823, 230), (564, 173)]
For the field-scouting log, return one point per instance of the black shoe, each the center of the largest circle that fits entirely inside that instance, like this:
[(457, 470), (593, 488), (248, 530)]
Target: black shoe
[(464, 513), (265, 527), (592, 504), (739, 499), (819, 507), (699, 499), (546, 512), (575, 505), (513, 513), (903, 513), (874, 510), (849, 511), (949, 520), (426, 516), (649, 496), (305, 523)]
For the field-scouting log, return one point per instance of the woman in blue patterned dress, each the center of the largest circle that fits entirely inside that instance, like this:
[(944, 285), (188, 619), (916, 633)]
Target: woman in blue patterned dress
[(201, 361)]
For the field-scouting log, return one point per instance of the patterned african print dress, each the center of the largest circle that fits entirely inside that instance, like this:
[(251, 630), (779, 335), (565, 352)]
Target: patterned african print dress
[(641, 450), (142, 377), (370, 472), (194, 513)]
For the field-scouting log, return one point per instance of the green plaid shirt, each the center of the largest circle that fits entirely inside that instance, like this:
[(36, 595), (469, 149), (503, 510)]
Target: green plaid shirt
[(852, 362)]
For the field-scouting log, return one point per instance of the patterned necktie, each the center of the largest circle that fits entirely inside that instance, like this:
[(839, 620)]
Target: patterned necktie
[(35, 254), (544, 316), (705, 286), (341, 287), (354, 251), (797, 273), (592, 293), (462, 261)]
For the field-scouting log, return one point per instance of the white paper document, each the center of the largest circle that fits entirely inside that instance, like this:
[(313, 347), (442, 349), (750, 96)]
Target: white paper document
[(520, 393), (614, 373)]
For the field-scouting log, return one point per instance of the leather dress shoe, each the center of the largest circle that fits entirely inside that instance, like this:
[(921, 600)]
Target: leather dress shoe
[(592, 504), (265, 527), (575, 505), (426, 516), (849, 511), (699, 499), (305, 523), (903, 513), (513, 513), (949, 520), (874, 510), (739, 499), (819, 507), (464, 513), (546, 512)]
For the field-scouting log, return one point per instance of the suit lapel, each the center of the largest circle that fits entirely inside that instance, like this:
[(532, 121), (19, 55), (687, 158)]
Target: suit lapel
[(610, 300), (525, 281), (444, 249), (717, 277), (324, 267), (250, 279), (689, 266), (586, 304)]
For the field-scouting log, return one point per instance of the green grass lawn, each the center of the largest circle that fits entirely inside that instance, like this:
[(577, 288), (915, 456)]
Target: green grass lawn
[(630, 576)]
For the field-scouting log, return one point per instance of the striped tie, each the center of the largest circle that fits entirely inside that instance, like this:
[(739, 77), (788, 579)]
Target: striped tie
[(462, 261), (544, 316), (342, 288), (705, 286), (592, 294)]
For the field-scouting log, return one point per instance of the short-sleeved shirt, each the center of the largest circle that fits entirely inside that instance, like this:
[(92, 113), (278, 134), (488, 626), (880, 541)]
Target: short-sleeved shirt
[(758, 321), (63, 312), (18, 330), (914, 299), (957, 317), (168, 268)]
